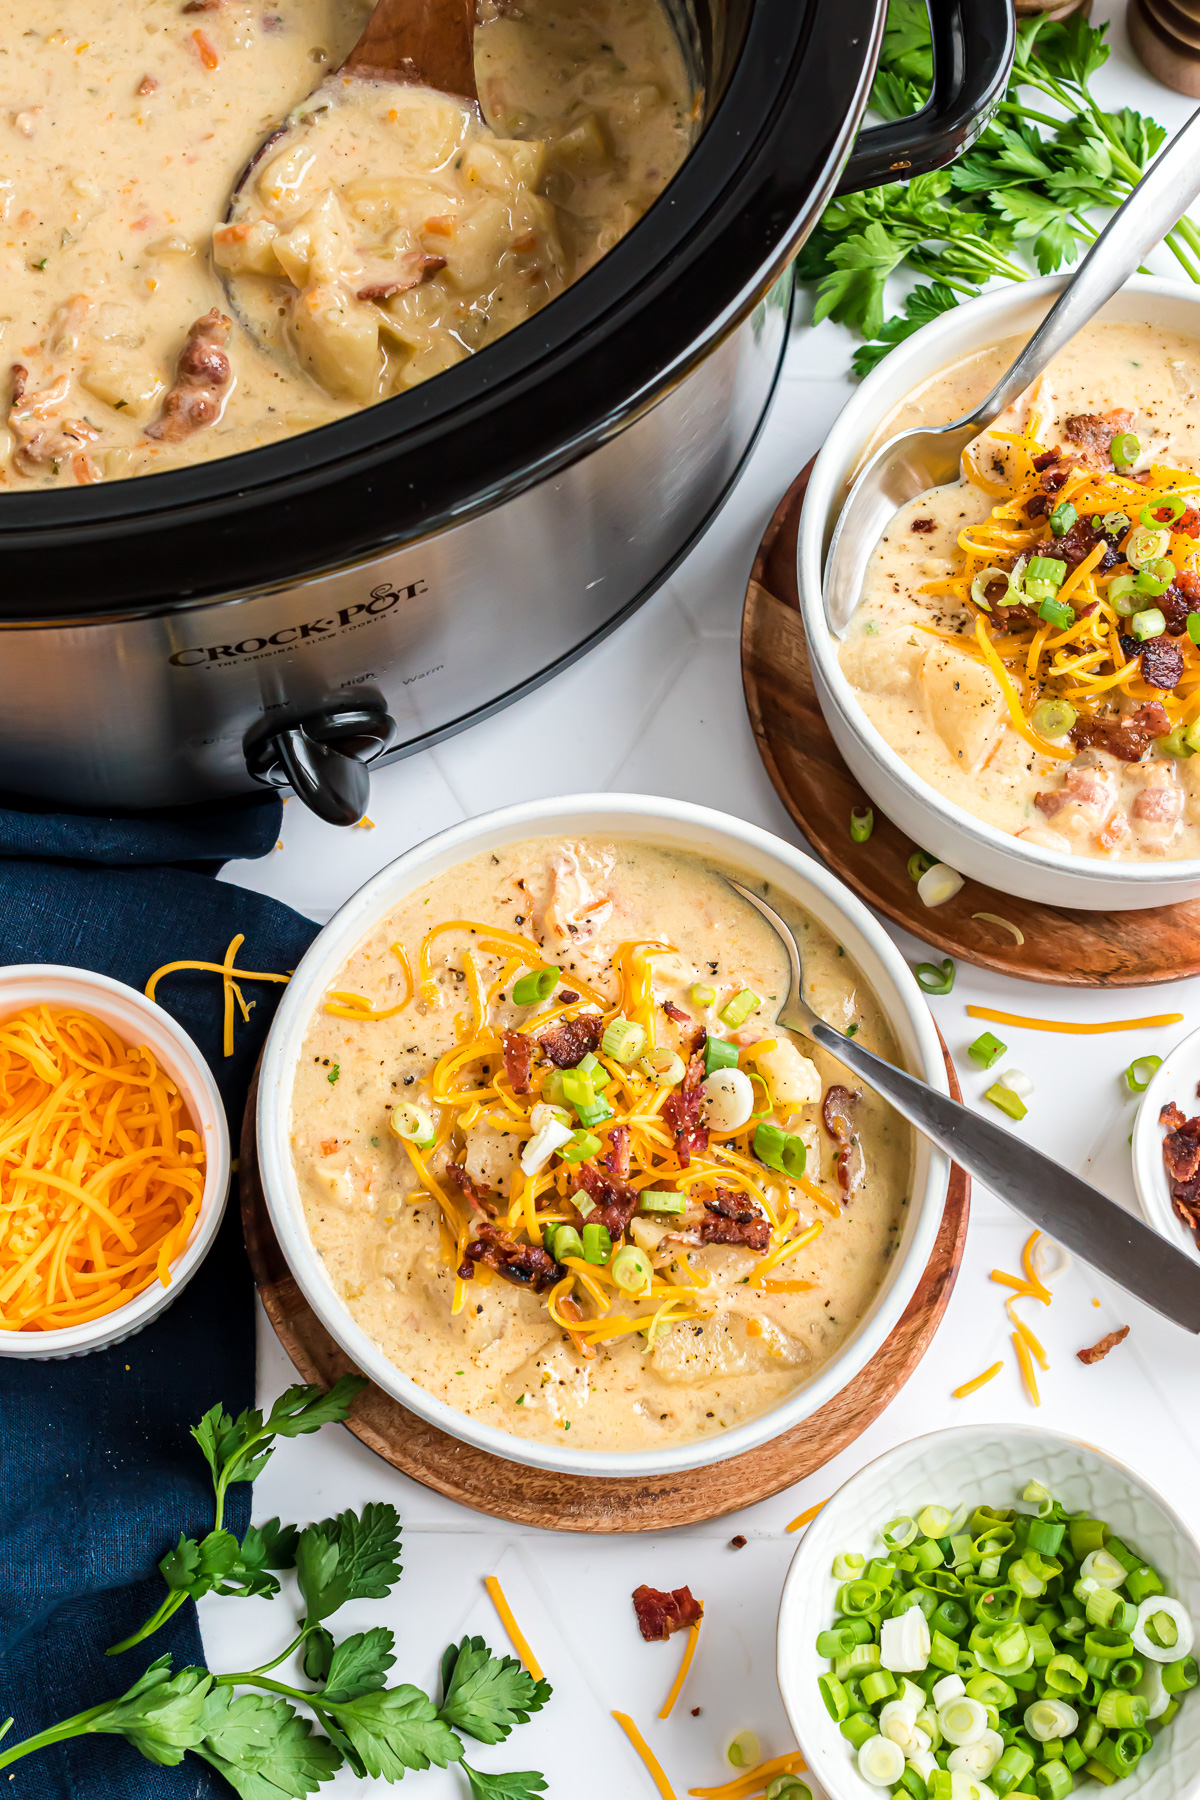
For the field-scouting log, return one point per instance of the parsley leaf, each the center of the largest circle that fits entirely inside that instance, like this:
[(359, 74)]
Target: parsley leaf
[(351, 1557), (486, 1695), (395, 1730), (161, 1714), (923, 304), (523, 1786), (359, 1664), (263, 1748), (238, 1449)]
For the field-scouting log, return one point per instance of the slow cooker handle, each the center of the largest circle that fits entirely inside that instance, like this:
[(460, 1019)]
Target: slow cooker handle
[(973, 44), (330, 784)]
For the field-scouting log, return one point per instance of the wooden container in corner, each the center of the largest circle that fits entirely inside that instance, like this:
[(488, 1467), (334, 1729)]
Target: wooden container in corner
[(1165, 36)]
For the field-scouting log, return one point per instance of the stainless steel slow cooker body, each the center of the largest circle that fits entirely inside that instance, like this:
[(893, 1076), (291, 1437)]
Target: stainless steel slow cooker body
[(293, 614)]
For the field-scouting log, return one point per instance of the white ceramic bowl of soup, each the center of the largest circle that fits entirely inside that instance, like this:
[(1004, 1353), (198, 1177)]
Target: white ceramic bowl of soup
[(937, 824), (664, 823), (988, 1465), (135, 1020)]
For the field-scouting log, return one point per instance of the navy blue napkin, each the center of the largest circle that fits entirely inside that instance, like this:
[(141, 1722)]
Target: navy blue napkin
[(98, 1472)]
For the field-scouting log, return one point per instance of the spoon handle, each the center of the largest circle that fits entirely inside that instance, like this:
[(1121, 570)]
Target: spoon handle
[(1156, 204), (1057, 1202)]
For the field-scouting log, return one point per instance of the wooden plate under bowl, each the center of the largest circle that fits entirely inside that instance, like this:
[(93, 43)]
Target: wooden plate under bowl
[(1069, 949), (555, 1502)]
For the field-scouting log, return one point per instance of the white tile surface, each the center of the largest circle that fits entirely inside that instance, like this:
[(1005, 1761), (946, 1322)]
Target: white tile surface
[(674, 723)]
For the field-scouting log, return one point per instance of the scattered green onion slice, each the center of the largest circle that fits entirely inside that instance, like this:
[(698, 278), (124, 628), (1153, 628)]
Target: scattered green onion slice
[(719, 1053), (597, 1243), (1172, 504), (939, 884), (743, 1751), (631, 1269), (1145, 546), (1021, 1085), (899, 1533), (780, 1150), (1125, 450), (623, 1040), (538, 985), (565, 1242), (1148, 624), (595, 1114), (1155, 577), (1058, 612), (582, 1145), (1006, 1100), (1122, 594), (1175, 743), (1051, 569), (935, 978), (1141, 1072), (735, 1012), (661, 1200), (862, 824), (666, 1067), (1115, 524), (1193, 627), (1062, 518), (983, 581), (413, 1124), (918, 863), (1053, 718), (986, 1050), (703, 994)]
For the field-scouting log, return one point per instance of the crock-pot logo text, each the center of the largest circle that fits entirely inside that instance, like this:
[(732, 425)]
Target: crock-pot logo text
[(363, 612)]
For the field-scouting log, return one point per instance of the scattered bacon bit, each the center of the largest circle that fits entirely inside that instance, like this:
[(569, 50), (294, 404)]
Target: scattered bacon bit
[(567, 996), (1097, 1352), (1079, 542), (922, 525), (525, 1265), (615, 1201), (1181, 1157), (472, 1193), (659, 1614), (147, 85), (1162, 662), (677, 1013), (203, 6), (738, 1542), (568, 1043), (328, 1146), (1047, 459), (616, 1157), (726, 1221), (682, 1111), (202, 376), (1094, 432), (1188, 522), (1126, 737), (42, 438), (518, 1059), (837, 1112), (1171, 1115), (418, 268)]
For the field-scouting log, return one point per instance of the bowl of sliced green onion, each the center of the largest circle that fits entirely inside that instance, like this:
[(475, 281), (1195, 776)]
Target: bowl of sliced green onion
[(995, 1613), (1161, 1081)]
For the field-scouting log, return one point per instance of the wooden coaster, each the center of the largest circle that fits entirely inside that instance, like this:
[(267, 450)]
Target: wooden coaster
[(555, 1502), (1168, 58), (1068, 949)]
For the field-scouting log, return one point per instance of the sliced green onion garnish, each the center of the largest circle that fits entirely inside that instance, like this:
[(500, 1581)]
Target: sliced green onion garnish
[(780, 1150), (743, 1751), (1148, 624), (1122, 594), (554, 1088), (566, 1241), (932, 1521), (1062, 518), (919, 863), (983, 581), (597, 1243), (1125, 450), (595, 1114), (862, 824), (1115, 524), (1144, 546), (594, 1070), (1006, 1100), (577, 1090), (1053, 718), (1051, 569), (1057, 612), (623, 1040), (986, 1050), (897, 1534), (631, 1269), (661, 1200), (1175, 743), (413, 1124), (1171, 504), (538, 985), (1141, 1072), (703, 994), (736, 1011), (665, 1067), (1193, 627), (582, 1145), (935, 978), (719, 1054), (1155, 577)]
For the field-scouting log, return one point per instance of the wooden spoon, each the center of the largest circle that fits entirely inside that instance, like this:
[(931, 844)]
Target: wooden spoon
[(430, 42)]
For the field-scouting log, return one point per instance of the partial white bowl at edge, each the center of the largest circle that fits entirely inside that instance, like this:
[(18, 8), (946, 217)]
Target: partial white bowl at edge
[(976, 849), (1175, 1080), (664, 822), (985, 1464), (136, 1020)]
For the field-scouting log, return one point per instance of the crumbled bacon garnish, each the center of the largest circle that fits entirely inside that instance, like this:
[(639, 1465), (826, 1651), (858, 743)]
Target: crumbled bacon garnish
[(682, 1111), (615, 1202), (1093, 433), (738, 1542), (415, 269), (518, 1059), (1079, 542), (567, 996), (1097, 1352), (837, 1111), (202, 378), (731, 1218), (525, 1265), (1162, 662), (616, 1157), (472, 1193), (922, 525), (568, 1043), (659, 1614), (1126, 737), (1046, 459), (1181, 1157), (677, 1013)]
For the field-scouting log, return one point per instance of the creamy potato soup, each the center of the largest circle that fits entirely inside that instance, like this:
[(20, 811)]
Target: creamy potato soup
[(1027, 639), (386, 235), (566, 1171)]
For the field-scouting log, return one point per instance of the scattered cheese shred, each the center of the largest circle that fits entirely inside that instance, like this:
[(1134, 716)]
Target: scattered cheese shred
[(805, 1518), (227, 971), (1005, 924), (1004, 1018), (1024, 1331), (754, 1780), (1026, 1362), (1031, 1275), (684, 1666), (515, 1636), (969, 1387), (101, 1172), (653, 1767)]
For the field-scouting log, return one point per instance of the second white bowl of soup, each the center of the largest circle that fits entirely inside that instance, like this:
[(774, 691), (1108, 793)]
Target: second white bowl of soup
[(699, 1238), (1017, 687)]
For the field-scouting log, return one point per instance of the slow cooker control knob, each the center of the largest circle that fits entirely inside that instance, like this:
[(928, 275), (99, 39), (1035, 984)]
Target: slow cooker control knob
[(324, 760)]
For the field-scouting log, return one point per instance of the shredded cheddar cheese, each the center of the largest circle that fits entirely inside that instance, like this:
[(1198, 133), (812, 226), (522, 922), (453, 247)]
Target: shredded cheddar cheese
[(515, 1637), (101, 1171), (653, 1767), (1004, 1018), (806, 1518), (754, 1780), (1026, 1361), (228, 972), (693, 1639), (978, 1381)]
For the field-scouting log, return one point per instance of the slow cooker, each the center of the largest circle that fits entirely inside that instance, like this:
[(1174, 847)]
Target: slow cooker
[(292, 615)]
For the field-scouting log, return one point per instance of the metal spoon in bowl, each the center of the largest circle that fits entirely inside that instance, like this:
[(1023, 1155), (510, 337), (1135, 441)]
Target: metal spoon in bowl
[(927, 456), (1057, 1202)]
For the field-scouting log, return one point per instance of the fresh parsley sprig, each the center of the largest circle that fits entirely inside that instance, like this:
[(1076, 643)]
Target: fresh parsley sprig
[(260, 1741)]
